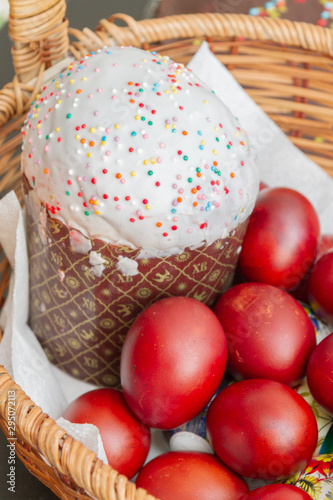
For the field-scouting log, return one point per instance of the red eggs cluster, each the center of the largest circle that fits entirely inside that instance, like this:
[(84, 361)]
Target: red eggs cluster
[(177, 350)]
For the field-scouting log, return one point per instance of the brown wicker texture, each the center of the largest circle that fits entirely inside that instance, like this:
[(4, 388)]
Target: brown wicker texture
[(286, 67)]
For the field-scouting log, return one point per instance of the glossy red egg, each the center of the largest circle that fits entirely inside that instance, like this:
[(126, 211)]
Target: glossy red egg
[(320, 373), (262, 429), (172, 362), (191, 476), (301, 291), (278, 492), (281, 241), (125, 439), (320, 287), (269, 334)]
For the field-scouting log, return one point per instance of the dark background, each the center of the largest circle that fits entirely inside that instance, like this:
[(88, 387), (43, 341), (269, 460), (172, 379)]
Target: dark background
[(80, 13)]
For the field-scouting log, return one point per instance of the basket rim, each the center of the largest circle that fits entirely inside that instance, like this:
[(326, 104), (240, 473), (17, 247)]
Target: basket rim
[(62, 452), (16, 96), (295, 33)]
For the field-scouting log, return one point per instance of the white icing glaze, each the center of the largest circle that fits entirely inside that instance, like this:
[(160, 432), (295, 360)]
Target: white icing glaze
[(128, 267), (95, 259), (128, 146), (97, 262), (78, 242)]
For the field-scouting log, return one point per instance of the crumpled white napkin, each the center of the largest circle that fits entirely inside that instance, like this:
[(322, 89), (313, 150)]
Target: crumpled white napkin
[(280, 162), (20, 351), (87, 434)]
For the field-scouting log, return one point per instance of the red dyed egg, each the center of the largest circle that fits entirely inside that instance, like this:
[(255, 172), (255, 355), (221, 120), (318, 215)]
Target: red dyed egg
[(281, 242), (321, 287), (301, 292), (269, 334), (262, 429), (278, 492), (125, 439), (320, 373), (172, 362), (191, 476)]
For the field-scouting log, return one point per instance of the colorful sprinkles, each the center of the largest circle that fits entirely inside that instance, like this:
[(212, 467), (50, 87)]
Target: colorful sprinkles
[(124, 138)]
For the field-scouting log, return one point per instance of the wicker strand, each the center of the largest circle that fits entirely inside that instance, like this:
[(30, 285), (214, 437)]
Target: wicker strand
[(33, 55), (16, 97), (40, 34), (69, 457), (281, 31)]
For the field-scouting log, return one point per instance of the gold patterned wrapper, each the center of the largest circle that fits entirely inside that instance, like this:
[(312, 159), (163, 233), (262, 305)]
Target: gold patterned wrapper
[(81, 318)]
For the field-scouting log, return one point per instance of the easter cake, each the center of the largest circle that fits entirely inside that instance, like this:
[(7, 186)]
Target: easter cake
[(138, 185)]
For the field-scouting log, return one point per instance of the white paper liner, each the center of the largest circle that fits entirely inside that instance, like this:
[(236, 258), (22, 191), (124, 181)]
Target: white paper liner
[(280, 163)]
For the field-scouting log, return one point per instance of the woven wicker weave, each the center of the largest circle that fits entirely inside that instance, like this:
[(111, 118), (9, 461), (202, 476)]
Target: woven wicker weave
[(286, 67)]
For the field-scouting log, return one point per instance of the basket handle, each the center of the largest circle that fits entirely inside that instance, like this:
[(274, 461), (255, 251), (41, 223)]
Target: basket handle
[(149, 31), (39, 30)]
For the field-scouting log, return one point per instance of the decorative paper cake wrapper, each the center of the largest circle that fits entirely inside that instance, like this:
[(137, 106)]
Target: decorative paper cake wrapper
[(82, 302)]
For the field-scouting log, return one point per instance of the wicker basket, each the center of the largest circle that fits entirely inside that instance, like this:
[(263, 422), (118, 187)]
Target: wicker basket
[(286, 67)]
